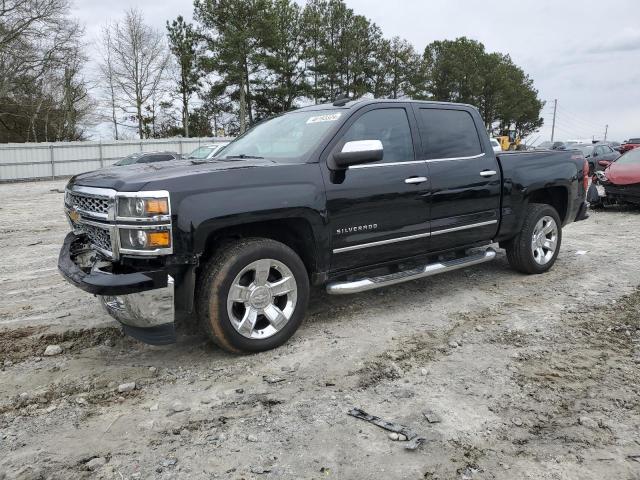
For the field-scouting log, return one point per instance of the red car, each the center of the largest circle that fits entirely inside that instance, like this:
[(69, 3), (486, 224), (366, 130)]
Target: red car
[(619, 182), (630, 145)]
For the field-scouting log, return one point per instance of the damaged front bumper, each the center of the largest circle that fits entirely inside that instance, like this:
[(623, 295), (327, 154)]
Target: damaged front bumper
[(142, 301), (623, 193)]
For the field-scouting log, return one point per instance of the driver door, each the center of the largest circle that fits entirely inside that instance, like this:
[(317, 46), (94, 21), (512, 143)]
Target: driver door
[(378, 211)]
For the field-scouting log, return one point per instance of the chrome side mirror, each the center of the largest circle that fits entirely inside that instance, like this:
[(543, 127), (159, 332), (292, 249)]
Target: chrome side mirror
[(357, 152)]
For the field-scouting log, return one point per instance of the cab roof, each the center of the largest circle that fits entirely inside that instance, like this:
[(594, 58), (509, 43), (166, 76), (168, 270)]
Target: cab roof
[(368, 101)]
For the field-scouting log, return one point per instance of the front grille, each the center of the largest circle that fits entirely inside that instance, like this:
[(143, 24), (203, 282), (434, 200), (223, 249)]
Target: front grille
[(99, 237), (88, 204)]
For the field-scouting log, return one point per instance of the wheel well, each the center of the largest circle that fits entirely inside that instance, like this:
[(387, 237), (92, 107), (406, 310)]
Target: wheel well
[(557, 197), (296, 233)]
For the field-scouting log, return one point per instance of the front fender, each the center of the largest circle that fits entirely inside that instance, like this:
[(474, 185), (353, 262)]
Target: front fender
[(248, 197)]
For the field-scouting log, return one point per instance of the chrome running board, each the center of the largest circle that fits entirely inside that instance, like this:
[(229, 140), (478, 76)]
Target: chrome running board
[(364, 284)]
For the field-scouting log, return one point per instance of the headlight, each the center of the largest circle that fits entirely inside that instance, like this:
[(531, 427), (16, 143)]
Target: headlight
[(142, 207), (601, 176), (144, 239)]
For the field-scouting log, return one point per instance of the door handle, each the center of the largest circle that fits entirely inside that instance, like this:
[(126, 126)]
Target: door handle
[(415, 180), (488, 173)]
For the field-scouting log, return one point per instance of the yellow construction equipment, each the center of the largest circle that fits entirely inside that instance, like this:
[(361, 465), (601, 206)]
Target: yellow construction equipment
[(509, 142)]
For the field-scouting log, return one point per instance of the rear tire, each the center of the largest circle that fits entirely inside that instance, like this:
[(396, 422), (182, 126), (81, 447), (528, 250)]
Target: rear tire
[(252, 295), (535, 249)]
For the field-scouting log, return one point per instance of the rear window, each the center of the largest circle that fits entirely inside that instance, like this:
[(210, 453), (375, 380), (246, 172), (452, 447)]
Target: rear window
[(155, 158), (448, 134)]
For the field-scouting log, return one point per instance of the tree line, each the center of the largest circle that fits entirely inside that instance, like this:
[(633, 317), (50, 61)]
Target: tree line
[(241, 61)]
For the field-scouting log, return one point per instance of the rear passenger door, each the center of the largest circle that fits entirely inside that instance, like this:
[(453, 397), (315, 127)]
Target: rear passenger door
[(464, 175)]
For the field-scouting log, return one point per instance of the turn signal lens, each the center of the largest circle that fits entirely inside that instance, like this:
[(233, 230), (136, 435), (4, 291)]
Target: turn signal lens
[(157, 206), (158, 240)]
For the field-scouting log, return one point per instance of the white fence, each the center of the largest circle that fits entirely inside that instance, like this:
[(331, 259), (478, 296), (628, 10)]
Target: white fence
[(23, 161)]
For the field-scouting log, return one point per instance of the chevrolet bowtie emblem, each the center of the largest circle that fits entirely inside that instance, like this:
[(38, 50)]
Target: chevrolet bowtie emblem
[(74, 215)]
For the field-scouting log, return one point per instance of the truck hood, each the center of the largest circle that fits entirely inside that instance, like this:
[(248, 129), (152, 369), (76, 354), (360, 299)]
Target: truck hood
[(132, 178), (623, 174)]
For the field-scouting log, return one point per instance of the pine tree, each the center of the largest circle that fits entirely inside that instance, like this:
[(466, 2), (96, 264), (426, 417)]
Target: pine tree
[(183, 44)]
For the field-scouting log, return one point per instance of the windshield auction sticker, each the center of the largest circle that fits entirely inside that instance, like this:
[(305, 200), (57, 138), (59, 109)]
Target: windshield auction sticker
[(324, 118)]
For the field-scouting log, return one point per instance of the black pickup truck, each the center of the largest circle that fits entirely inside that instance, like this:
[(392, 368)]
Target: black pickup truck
[(353, 195)]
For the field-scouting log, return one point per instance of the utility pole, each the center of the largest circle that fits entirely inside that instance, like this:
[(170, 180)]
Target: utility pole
[(553, 127), (606, 130)]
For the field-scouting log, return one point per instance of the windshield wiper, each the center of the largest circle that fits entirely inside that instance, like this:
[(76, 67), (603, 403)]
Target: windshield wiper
[(243, 156)]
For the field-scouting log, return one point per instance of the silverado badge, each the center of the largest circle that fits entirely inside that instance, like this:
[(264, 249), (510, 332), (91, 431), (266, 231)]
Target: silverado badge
[(357, 228)]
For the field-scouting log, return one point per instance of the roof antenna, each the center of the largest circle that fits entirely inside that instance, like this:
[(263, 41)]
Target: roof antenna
[(341, 100)]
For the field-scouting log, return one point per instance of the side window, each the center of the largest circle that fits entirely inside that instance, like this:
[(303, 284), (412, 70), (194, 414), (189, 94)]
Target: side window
[(448, 133), (390, 126)]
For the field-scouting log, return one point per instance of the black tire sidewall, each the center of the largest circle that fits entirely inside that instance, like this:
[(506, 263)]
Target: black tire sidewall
[(256, 251)]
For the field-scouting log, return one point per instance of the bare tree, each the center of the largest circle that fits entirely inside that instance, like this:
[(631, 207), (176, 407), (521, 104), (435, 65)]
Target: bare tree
[(29, 36), (138, 59), (107, 74)]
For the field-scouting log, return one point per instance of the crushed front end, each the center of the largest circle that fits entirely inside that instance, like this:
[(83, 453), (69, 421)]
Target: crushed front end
[(623, 193), (117, 250)]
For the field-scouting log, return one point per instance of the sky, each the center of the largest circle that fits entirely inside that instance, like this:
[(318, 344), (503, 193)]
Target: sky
[(585, 54)]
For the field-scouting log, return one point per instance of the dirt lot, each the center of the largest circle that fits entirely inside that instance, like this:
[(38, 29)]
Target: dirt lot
[(530, 377)]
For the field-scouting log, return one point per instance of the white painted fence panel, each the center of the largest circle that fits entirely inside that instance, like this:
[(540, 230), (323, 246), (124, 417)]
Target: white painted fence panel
[(23, 161)]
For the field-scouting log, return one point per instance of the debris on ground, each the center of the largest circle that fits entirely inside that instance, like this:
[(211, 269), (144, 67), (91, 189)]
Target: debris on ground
[(126, 387), (431, 416), (95, 463), (414, 439), (272, 380), (52, 350), (260, 470)]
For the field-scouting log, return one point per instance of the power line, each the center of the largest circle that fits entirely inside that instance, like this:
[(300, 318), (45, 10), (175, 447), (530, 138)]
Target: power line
[(576, 119), (572, 126)]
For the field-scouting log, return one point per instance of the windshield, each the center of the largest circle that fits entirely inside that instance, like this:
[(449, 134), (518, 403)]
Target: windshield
[(630, 158), (202, 152), (288, 136), (128, 160)]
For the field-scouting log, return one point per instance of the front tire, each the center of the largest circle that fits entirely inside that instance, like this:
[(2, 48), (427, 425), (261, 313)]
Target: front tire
[(252, 295), (535, 249)]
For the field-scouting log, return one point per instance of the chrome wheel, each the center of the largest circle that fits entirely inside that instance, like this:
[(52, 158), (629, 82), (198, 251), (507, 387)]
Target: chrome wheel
[(262, 299), (544, 240)]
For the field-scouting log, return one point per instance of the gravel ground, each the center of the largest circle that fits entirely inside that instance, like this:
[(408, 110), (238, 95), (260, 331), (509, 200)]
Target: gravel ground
[(520, 376)]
